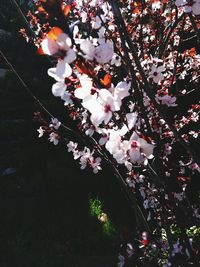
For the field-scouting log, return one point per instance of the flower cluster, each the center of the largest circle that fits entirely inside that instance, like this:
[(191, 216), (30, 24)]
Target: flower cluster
[(86, 157), (51, 130)]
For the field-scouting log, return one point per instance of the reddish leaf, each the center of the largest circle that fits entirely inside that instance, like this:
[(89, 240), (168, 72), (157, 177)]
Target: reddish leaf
[(106, 81)]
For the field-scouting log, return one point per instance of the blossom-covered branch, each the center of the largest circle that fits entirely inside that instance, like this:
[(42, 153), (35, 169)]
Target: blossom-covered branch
[(124, 75)]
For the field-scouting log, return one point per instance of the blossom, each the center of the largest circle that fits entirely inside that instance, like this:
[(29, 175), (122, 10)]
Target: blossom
[(114, 141), (49, 47), (146, 204), (131, 119), (90, 131), (168, 100), (139, 149), (77, 154), (58, 89), (55, 42), (64, 42), (116, 60), (128, 165), (95, 164), (66, 97), (130, 182), (88, 49), (85, 89), (116, 147), (71, 146), (40, 131), (54, 138), (156, 73), (60, 73), (136, 149), (119, 92), (103, 140), (168, 149), (103, 53), (98, 96), (59, 43), (70, 56), (102, 105), (145, 236), (55, 123), (104, 136), (87, 158)]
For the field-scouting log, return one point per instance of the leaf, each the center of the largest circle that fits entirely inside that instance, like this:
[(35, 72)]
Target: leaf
[(106, 80)]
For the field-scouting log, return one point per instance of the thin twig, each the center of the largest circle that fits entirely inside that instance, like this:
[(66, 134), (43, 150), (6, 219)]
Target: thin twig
[(28, 90), (24, 18), (194, 25)]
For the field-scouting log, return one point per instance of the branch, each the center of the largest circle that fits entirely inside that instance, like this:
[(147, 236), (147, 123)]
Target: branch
[(28, 90), (194, 25), (122, 27)]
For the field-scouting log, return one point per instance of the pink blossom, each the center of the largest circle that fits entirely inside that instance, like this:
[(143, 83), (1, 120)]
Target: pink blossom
[(168, 100), (54, 138), (41, 132)]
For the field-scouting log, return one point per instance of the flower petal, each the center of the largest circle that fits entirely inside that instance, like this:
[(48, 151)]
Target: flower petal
[(58, 89), (63, 69)]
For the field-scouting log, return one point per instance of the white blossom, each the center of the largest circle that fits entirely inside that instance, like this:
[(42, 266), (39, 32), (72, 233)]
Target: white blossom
[(103, 53), (55, 123), (51, 47), (85, 89), (54, 138), (131, 119), (40, 131), (139, 149), (116, 60), (168, 100), (71, 146), (156, 73)]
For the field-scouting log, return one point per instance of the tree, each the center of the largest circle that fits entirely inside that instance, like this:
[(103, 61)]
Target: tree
[(128, 74)]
